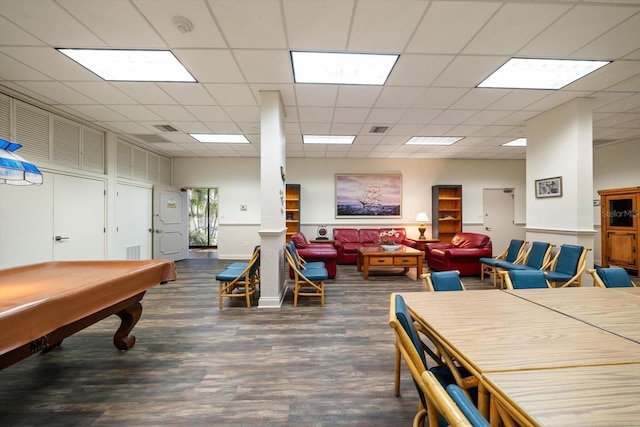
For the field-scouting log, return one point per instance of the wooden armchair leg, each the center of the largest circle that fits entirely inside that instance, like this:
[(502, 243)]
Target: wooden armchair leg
[(397, 377)]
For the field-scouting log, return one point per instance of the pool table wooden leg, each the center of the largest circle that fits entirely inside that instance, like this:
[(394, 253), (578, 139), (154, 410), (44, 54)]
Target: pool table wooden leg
[(129, 317)]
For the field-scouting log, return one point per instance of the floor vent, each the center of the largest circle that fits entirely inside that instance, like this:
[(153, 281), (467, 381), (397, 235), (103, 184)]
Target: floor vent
[(133, 252)]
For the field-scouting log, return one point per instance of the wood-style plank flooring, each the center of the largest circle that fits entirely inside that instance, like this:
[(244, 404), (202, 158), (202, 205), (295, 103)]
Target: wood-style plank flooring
[(196, 365)]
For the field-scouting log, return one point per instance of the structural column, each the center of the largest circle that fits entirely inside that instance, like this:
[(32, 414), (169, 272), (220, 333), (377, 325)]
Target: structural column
[(560, 144), (272, 193)]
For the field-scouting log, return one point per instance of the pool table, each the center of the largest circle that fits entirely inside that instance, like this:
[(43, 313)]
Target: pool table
[(41, 304)]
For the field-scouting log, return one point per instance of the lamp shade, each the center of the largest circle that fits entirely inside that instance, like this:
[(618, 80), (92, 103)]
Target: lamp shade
[(422, 217), (14, 170)]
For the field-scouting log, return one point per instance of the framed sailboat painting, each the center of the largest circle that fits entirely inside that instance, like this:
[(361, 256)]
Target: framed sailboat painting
[(368, 195)]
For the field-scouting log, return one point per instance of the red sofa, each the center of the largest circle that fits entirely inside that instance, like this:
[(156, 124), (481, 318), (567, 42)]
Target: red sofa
[(462, 254), (324, 252), (348, 240)]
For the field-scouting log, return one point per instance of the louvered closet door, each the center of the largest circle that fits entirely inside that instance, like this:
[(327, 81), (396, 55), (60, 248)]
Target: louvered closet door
[(78, 219)]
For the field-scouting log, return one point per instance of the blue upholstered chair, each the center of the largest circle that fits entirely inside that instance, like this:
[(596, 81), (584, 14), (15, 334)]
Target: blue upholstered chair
[(611, 277), (409, 345), (525, 279), (308, 280), (567, 266), (536, 257), (467, 408), (236, 278), (443, 281), (514, 253), (302, 264)]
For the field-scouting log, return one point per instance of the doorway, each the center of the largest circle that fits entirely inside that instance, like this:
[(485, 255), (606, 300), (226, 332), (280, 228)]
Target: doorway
[(203, 218), (499, 216)]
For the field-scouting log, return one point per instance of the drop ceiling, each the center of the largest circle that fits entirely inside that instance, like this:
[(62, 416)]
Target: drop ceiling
[(238, 48)]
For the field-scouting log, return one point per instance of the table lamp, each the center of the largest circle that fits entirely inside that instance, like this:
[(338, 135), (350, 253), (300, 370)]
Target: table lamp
[(422, 218)]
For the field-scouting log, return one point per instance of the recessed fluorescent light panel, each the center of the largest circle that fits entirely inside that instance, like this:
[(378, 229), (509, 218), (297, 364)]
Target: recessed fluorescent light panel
[(327, 139), (520, 142), (219, 138), (342, 68), (433, 140), (131, 65), (523, 73)]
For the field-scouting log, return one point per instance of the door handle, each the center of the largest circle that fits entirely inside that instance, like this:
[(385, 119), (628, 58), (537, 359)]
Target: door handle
[(488, 228), (159, 231), (59, 238)]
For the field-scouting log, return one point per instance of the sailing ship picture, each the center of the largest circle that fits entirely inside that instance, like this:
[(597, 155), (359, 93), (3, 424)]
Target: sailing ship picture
[(368, 195)]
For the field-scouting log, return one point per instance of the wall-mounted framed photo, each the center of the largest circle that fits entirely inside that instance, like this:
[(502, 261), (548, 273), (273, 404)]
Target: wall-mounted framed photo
[(549, 187), (368, 195)]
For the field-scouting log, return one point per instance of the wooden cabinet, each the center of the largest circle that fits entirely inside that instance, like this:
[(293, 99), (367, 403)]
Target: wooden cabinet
[(446, 211), (292, 209), (620, 229)]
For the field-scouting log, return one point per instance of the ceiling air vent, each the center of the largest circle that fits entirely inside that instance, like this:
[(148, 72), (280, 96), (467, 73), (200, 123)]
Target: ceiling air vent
[(165, 128), (379, 129), (151, 138)]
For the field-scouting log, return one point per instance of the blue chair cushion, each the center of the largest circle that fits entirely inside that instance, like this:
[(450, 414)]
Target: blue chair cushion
[(536, 255), (239, 264), (568, 260), (229, 274), (490, 261), (313, 264), (446, 281), (615, 277), (316, 274), (402, 314), (528, 279), (554, 276), (466, 406), (513, 250)]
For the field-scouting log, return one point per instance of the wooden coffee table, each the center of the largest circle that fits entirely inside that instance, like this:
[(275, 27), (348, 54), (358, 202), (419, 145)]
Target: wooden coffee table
[(375, 256)]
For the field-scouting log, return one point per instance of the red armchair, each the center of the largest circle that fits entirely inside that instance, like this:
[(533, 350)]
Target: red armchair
[(310, 252), (462, 254)]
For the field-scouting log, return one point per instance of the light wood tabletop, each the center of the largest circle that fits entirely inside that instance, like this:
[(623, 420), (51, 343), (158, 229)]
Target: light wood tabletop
[(603, 308), (583, 396), (492, 331), (629, 291)]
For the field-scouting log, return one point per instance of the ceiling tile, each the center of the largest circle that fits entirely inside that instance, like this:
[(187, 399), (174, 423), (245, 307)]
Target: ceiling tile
[(434, 34), (581, 24), (266, 66), (416, 70), (513, 26), (250, 23), (384, 26), (231, 94), (210, 65), (307, 23)]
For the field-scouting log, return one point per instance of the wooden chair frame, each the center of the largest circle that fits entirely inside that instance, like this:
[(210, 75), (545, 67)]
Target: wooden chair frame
[(247, 279), (546, 260), (577, 278), (493, 270), (301, 281), (430, 387)]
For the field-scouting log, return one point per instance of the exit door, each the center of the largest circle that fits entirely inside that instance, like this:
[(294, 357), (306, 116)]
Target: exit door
[(499, 217), (170, 224)]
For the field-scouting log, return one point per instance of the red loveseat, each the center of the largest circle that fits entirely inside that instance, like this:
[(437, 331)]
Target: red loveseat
[(463, 253), (324, 252), (348, 240)]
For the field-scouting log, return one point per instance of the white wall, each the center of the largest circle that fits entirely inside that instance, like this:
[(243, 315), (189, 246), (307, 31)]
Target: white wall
[(238, 183)]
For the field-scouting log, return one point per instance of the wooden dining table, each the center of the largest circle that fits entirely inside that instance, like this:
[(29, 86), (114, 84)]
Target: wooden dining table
[(494, 331), (611, 311)]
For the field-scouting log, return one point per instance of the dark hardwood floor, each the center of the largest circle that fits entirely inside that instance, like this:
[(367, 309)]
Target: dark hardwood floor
[(194, 364)]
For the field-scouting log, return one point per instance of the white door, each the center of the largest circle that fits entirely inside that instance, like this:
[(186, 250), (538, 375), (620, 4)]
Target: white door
[(499, 217), (170, 224), (79, 225), (134, 226)]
